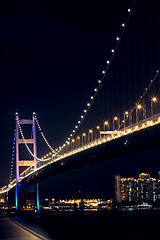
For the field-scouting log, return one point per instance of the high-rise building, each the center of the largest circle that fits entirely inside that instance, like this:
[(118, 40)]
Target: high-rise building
[(143, 189), (123, 189), (118, 188)]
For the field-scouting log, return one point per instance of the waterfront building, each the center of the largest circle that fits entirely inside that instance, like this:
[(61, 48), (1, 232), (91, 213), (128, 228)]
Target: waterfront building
[(131, 189), (118, 188), (123, 189), (143, 189)]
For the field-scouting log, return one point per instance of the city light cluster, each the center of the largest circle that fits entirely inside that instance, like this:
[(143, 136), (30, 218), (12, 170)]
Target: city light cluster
[(89, 204), (144, 189)]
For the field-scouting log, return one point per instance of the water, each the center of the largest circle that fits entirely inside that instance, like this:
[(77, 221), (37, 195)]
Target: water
[(123, 224)]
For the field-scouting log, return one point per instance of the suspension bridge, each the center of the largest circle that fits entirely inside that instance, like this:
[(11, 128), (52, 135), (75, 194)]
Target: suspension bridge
[(99, 134)]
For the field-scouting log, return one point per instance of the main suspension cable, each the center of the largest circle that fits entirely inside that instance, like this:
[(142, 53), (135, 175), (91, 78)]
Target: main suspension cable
[(96, 90), (141, 97), (42, 134), (24, 140)]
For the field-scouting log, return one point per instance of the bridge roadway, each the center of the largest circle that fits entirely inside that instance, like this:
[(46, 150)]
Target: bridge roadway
[(138, 141)]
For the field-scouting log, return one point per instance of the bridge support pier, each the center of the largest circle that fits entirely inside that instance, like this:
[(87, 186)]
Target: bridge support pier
[(26, 196)]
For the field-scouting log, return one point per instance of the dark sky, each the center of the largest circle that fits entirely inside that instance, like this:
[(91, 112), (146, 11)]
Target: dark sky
[(52, 55)]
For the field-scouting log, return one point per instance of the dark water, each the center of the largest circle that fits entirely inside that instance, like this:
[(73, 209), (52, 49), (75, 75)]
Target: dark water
[(127, 225)]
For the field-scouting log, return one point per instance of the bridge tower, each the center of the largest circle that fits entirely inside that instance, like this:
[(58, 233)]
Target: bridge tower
[(19, 188)]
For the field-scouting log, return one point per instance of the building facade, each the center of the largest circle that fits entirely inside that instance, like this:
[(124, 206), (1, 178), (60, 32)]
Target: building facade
[(143, 189)]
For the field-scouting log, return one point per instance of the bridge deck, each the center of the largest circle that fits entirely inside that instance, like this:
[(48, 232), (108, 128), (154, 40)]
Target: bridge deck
[(138, 137), (138, 141)]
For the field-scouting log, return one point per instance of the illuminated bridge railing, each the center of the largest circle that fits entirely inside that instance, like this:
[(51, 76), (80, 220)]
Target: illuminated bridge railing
[(116, 134), (146, 123)]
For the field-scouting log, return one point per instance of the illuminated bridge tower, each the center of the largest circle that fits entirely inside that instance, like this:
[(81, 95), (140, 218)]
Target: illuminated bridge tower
[(22, 189)]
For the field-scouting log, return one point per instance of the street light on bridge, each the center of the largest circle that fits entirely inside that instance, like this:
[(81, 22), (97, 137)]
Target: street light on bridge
[(98, 132), (106, 123), (72, 145), (90, 139), (114, 119), (78, 142), (139, 107), (125, 116), (83, 139), (68, 146), (153, 100)]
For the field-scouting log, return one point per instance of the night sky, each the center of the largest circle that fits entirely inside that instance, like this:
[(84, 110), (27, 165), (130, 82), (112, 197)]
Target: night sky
[(52, 55)]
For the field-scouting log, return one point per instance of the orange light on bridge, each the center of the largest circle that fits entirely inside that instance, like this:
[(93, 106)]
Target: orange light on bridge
[(154, 99), (139, 106)]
